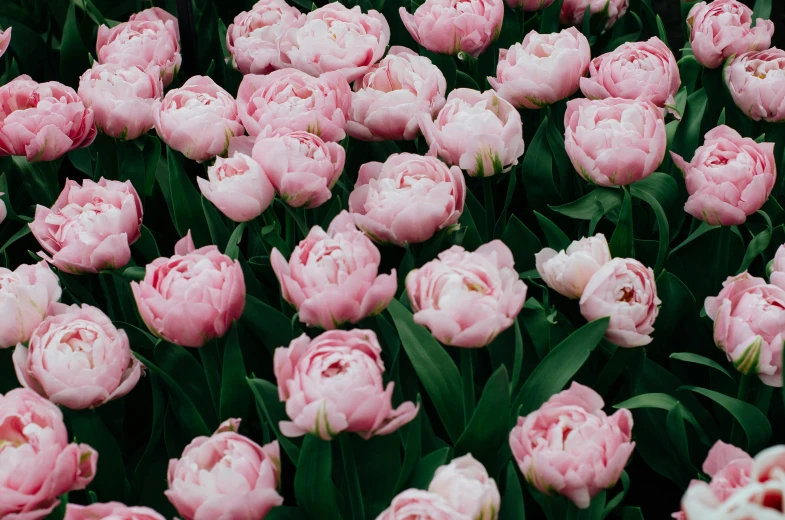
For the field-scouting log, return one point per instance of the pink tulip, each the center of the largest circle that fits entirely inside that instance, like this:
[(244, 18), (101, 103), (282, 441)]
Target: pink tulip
[(623, 289), (478, 131), (542, 70), (407, 198), (529, 5), (42, 121), (301, 167), (614, 142), (421, 505), (291, 99), (192, 297), (568, 271), (25, 295), (336, 38), (225, 476), (572, 11), (465, 484), (756, 81), (389, 96), (571, 447), (77, 358), (109, 511), (197, 119), (729, 178), (723, 28), (776, 268), (90, 227), (238, 187), (37, 462), (3, 210), (452, 26), (334, 383), (5, 40), (252, 39)]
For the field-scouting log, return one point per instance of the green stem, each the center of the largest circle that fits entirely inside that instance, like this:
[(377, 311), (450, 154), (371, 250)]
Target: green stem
[(746, 390), (467, 371), (722, 255), (355, 492), (490, 212)]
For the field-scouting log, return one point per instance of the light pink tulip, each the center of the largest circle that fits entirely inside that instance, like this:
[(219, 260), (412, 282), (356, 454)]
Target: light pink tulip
[(568, 271), (421, 505), (109, 511), (776, 268), (572, 11), (5, 40), (571, 447), (407, 198), (387, 99), (252, 39), (3, 209), (238, 187), (37, 464), (453, 26), (545, 68), (529, 5), (465, 484), (477, 131), (225, 476), (756, 81), (25, 295), (301, 167), (723, 28), (198, 119), (614, 142), (42, 121), (625, 290), (729, 178), (192, 297), (334, 383), (289, 98), (90, 227)]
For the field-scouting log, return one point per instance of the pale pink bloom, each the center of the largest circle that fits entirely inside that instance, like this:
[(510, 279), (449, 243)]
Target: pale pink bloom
[(568, 271), (109, 511), (238, 187), (466, 485), (756, 81), (572, 11), (25, 295), (3, 209), (415, 504), (776, 268), (5, 40)]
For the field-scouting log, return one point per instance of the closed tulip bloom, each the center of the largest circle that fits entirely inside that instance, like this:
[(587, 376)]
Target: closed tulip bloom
[(90, 227), (77, 358), (197, 119), (387, 99), (465, 484), (568, 271), (756, 81), (334, 383), (529, 5), (453, 26), (723, 28), (776, 268), (38, 463), (729, 178), (25, 295), (572, 11), (5, 40), (421, 505), (238, 187), (570, 447), (407, 199), (109, 511), (545, 68), (42, 121), (192, 297), (477, 131), (226, 475)]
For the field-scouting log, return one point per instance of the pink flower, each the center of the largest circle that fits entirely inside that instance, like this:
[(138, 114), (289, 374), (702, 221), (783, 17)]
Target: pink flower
[(453, 26), (407, 198), (25, 295), (570, 447), (192, 297), (776, 268), (415, 504), (478, 131), (336, 38), (529, 5), (90, 227), (568, 271), (465, 484), (722, 28), (610, 11), (109, 511), (389, 96), (42, 121), (756, 81), (149, 39), (544, 69), (625, 290), (238, 187), (38, 464), (729, 178), (614, 142), (5, 39), (197, 119), (77, 358), (252, 39), (334, 383), (301, 167), (3, 210), (226, 475)]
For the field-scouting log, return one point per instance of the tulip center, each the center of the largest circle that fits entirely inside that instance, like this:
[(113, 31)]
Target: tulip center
[(628, 294)]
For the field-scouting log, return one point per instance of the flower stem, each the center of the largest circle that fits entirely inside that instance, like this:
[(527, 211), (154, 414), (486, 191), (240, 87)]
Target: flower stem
[(467, 372), (490, 212)]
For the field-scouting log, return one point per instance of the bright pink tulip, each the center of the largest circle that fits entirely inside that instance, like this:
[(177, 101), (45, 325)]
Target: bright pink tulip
[(37, 464), (465, 484), (42, 121), (477, 131), (545, 68), (225, 476), (109, 511), (572, 11), (571, 447), (90, 227), (192, 297), (529, 5), (387, 99), (776, 268), (334, 383), (407, 198), (729, 178), (238, 187), (421, 505), (756, 81), (5, 40), (25, 295), (568, 271)]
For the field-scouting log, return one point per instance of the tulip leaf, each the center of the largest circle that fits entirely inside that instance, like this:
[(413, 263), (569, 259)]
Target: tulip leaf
[(426, 467), (689, 70), (553, 234), (270, 326), (663, 229), (88, 428), (688, 134), (762, 10), (488, 428), (615, 501), (512, 502), (677, 435), (622, 241), (757, 245), (702, 229), (537, 171), (186, 201), (73, 53), (313, 485), (234, 390), (586, 207), (39, 179), (412, 451), (274, 412), (522, 242), (183, 368), (690, 357), (233, 246)]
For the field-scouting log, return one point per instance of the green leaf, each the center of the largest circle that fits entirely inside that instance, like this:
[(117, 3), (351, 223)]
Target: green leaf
[(762, 10), (270, 326), (313, 484), (412, 451), (661, 31), (274, 412), (615, 501), (688, 135), (488, 429), (702, 229), (426, 467), (146, 245), (550, 18), (181, 366), (553, 234), (233, 246), (353, 480), (689, 357), (39, 179), (186, 201), (73, 53), (659, 401), (690, 71), (512, 502), (88, 427), (757, 245), (234, 390), (663, 229), (537, 171), (218, 231), (585, 207), (522, 242), (622, 241), (677, 434)]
